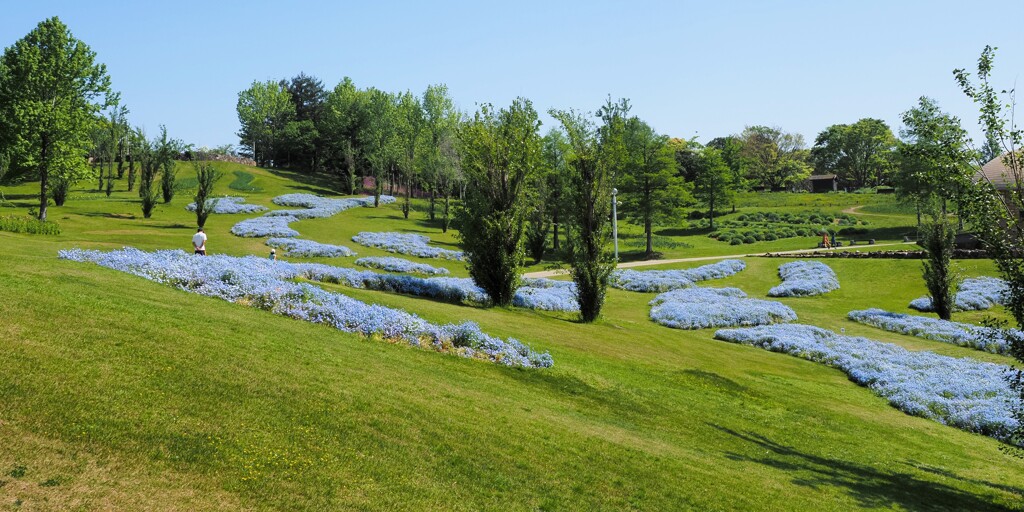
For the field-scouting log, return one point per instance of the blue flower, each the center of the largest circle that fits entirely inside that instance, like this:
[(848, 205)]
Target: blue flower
[(664, 280), (964, 335), (392, 264), (975, 294), (699, 308), (405, 243), (805, 278)]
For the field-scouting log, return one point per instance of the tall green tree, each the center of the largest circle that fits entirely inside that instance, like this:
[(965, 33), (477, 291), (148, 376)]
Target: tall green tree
[(166, 151), (860, 154), (594, 159), (206, 177), (713, 186), (995, 209), (264, 110), (51, 91), (731, 149), (774, 159), (379, 138), (652, 192), (440, 118), (501, 155), (410, 125), (345, 116), (935, 159), (555, 151)]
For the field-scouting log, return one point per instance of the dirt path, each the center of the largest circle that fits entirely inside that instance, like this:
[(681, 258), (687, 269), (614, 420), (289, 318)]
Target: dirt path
[(854, 210), (648, 263)]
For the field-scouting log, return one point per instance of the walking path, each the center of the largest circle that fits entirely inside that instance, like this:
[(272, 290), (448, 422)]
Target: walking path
[(648, 263), (855, 210)]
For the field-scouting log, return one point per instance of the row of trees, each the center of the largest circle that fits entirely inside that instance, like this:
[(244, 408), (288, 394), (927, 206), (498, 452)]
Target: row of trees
[(61, 122)]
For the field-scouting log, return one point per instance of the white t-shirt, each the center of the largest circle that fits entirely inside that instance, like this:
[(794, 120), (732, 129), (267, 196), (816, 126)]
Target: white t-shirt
[(199, 241)]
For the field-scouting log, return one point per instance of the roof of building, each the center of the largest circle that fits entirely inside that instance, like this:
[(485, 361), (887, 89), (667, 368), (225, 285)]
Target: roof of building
[(822, 177), (997, 173)]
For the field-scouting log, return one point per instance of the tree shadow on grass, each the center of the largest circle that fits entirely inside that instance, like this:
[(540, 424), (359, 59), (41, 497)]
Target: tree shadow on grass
[(317, 183), (871, 487)]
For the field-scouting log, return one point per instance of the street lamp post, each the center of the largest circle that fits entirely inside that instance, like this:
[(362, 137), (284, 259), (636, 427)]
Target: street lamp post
[(615, 224)]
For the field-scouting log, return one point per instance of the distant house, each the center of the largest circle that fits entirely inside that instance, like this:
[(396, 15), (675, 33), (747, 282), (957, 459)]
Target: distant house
[(1002, 178), (823, 183)]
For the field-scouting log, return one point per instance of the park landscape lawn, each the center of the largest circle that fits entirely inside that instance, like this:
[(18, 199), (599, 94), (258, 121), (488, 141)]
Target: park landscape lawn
[(117, 392)]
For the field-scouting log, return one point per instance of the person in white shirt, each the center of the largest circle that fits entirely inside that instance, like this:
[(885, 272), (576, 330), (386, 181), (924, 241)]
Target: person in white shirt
[(199, 242)]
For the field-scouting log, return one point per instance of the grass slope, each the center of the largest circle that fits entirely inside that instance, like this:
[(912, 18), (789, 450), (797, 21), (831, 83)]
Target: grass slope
[(119, 393)]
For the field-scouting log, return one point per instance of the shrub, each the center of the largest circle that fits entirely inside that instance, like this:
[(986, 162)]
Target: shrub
[(29, 225)]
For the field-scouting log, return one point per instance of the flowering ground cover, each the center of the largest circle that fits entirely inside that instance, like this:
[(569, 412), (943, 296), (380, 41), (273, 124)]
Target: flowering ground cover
[(229, 205), (309, 248), (261, 283), (804, 278), (975, 294), (665, 280), (964, 335), (392, 264), (546, 295), (405, 243), (960, 392), (699, 308), (275, 222)]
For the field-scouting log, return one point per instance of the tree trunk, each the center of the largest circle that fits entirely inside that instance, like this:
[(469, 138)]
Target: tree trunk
[(647, 231), (447, 219), (43, 175), (711, 211), (433, 215), (555, 234)]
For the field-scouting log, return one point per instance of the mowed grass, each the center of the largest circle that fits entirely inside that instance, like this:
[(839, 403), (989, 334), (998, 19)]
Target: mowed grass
[(119, 393)]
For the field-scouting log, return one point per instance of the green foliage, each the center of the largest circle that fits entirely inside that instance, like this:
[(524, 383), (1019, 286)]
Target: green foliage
[(773, 158), (243, 182), (939, 277), (264, 110), (860, 154), (652, 193), (51, 90), (595, 157), (935, 158), (713, 185), (501, 156), (206, 176), (20, 224)]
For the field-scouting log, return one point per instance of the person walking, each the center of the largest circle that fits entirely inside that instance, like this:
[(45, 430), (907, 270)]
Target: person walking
[(273, 255), (199, 242)]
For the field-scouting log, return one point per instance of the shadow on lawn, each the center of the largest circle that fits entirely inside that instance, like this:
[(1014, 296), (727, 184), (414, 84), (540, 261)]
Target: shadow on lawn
[(316, 183), (871, 487)]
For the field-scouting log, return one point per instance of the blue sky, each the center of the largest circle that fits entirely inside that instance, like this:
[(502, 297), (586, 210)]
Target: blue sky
[(689, 68)]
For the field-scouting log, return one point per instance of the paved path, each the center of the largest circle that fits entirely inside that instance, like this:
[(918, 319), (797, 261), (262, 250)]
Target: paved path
[(648, 263), (855, 210)]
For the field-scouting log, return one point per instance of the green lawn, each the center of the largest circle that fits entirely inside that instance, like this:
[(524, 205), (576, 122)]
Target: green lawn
[(119, 393)]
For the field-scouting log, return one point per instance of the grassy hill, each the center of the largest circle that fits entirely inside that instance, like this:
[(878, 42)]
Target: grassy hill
[(120, 393)]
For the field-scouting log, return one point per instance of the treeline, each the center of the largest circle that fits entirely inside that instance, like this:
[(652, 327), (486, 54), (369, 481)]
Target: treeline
[(61, 122)]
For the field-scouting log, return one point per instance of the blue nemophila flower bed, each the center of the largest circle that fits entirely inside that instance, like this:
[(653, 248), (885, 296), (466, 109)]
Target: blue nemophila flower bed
[(265, 226), (546, 295), (309, 248), (665, 280), (960, 392), (265, 284), (316, 207), (805, 278), (975, 293), (392, 264), (405, 243), (275, 223), (229, 205), (964, 335), (700, 308)]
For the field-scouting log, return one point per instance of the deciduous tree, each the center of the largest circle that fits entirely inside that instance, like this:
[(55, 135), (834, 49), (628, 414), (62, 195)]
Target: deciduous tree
[(860, 154), (51, 91), (501, 155), (264, 110)]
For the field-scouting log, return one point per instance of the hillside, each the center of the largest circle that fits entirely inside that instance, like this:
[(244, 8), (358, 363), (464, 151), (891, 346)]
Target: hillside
[(121, 393)]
